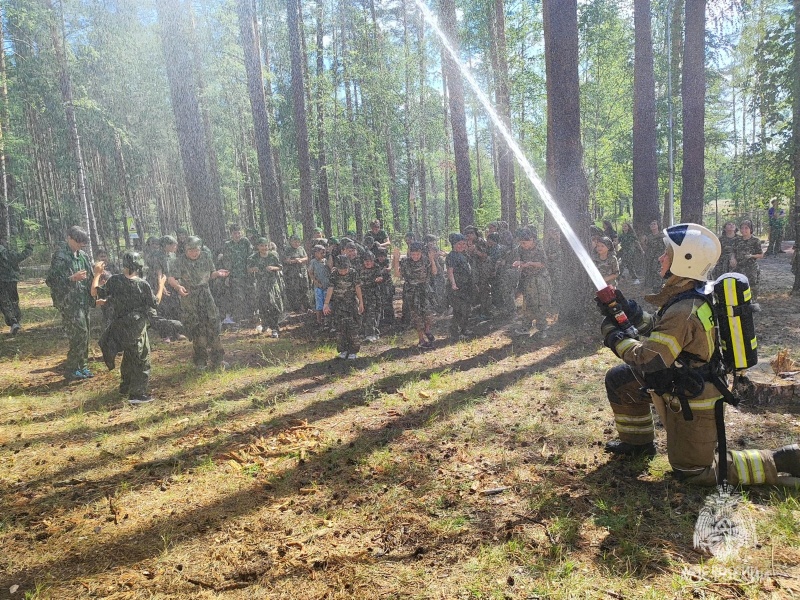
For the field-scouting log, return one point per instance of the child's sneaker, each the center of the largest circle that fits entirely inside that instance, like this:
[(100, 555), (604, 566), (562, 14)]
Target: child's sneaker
[(181, 338), (342, 355), (166, 340), (352, 356), (430, 337), (87, 374), (426, 345), (259, 329), (228, 320), (275, 334), (75, 376)]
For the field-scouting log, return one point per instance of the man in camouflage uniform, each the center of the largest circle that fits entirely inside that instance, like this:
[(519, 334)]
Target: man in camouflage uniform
[(507, 275), (681, 332), (190, 277), (240, 284), (9, 277), (68, 280), (344, 291)]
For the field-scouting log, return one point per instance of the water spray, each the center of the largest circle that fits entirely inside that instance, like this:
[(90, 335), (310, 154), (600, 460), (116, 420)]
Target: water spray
[(605, 293)]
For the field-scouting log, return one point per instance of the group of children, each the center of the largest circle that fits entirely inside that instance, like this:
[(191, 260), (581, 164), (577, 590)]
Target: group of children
[(349, 286)]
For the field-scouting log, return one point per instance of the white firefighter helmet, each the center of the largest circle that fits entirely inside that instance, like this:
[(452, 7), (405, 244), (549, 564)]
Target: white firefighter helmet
[(695, 250)]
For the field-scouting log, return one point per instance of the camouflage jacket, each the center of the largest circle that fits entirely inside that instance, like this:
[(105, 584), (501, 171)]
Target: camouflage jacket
[(344, 287), (415, 272), (9, 262), (235, 256), (193, 273), (66, 293)]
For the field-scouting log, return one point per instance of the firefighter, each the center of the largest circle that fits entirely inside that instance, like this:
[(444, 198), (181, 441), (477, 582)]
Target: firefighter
[(673, 351)]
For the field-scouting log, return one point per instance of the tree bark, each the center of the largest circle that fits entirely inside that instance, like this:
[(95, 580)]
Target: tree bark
[(693, 94), (5, 212), (505, 158), (322, 162), (796, 139), (645, 159), (271, 207), (207, 217), (458, 118), (566, 178), (65, 85), (299, 112)]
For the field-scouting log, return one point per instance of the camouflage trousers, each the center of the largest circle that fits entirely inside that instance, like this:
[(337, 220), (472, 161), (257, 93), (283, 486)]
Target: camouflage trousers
[(348, 327), (503, 292), (239, 298), (9, 302), (461, 301), (372, 311), (536, 292), (76, 324), (135, 367), (201, 320)]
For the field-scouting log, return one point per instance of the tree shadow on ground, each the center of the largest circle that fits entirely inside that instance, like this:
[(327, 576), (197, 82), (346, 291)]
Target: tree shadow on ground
[(336, 467)]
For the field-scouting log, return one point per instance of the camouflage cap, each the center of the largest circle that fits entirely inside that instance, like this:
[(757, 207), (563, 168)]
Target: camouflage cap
[(342, 262), (368, 256), (181, 231), (262, 241), (168, 240), (194, 242)]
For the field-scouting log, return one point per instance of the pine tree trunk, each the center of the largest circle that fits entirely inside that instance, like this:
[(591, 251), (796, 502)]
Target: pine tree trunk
[(271, 208), (5, 214), (422, 144), (645, 160), (566, 178), (694, 95), (505, 158), (458, 119), (322, 162), (65, 85), (207, 217), (299, 112), (796, 139)]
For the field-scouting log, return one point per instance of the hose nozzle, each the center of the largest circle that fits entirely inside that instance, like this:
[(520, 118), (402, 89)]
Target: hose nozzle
[(608, 296)]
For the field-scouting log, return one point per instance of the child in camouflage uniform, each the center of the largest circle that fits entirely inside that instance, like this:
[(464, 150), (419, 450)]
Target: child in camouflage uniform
[(319, 273), (386, 288), (606, 261), (295, 275), (9, 277), (68, 280), (729, 240), (265, 265), (507, 278), (235, 255), (460, 289), (416, 272), (748, 251), (344, 291), (534, 282), (372, 277), (193, 270), (132, 304)]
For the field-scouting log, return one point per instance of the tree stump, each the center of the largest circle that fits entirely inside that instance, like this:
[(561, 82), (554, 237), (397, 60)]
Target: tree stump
[(761, 385)]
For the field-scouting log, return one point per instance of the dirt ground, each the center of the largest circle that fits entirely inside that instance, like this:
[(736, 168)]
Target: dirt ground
[(474, 470)]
